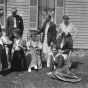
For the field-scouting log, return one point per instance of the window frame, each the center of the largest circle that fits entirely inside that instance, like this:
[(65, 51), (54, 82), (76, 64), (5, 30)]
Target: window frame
[(4, 7)]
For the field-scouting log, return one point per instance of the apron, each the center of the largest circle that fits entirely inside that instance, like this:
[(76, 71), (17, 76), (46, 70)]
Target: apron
[(46, 48)]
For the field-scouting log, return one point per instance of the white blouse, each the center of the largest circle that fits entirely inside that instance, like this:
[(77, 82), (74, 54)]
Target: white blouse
[(67, 29)]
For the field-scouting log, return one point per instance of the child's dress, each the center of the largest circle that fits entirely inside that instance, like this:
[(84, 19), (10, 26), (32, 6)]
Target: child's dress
[(35, 58)]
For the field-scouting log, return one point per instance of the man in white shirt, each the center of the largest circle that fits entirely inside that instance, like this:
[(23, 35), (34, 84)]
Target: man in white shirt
[(68, 31)]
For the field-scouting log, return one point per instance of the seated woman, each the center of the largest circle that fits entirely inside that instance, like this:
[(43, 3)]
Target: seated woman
[(18, 55), (6, 43)]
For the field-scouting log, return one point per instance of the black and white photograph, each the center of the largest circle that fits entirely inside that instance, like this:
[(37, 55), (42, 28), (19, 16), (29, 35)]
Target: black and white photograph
[(43, 43)]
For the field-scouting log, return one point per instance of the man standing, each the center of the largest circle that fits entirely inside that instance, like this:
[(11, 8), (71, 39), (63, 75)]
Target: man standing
[(14, 24), (49, 36), (67, 31)]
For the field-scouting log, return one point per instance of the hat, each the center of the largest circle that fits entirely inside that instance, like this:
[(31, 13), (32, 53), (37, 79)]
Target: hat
[(65, 17), (14, 9)]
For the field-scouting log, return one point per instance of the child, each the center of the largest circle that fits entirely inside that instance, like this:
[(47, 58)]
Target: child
[(35, 58)]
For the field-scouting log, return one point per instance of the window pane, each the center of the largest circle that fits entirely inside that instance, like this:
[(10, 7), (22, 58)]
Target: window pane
[(1, 1), (2, 15), (33, 14), (60, 3), (33, 2)]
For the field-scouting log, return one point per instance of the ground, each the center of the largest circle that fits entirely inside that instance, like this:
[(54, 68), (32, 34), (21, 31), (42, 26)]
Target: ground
[(39, 79)]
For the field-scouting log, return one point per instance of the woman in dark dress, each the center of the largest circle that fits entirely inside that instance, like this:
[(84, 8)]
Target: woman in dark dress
[(18, 55)]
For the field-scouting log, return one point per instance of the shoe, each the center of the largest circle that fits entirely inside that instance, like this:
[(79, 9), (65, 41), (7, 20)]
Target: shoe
[(35, 67), (49, 73), (29, 70)]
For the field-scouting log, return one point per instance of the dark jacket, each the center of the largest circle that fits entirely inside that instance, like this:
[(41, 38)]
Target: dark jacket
[(10, 25), (51, 34)]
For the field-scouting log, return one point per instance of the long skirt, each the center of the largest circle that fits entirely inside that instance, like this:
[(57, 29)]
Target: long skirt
[(3, 58), (18, 61)]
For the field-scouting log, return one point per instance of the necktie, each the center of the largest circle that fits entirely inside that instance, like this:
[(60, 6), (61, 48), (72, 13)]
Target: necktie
[(15, 23)]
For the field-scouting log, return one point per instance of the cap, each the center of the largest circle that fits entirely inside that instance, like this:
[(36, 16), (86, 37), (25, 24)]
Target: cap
[(14, 9), (65, 17)]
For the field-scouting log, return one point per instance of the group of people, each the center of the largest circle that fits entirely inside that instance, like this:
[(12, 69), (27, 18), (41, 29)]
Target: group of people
[(10, 43), (15, 53), (57, 46)]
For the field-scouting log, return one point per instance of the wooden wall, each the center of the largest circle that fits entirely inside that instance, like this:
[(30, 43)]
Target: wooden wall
[(76, 9), (78, 12)]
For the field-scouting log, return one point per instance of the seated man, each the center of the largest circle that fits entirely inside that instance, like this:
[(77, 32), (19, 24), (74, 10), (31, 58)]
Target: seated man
[(4, 42)]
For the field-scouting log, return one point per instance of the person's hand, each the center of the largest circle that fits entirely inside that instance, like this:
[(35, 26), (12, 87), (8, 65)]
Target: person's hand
[(58, 35), (51, 44)]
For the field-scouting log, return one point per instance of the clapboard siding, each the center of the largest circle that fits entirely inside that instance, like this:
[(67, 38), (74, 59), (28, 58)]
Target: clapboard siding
[(78, 12)]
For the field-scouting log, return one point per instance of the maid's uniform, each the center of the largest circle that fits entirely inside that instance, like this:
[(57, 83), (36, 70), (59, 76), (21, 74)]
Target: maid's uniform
[(18, 56)]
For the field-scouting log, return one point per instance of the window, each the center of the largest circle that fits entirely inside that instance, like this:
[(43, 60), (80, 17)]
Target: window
[(60, 3), (2, 12), (1, 1), (33, 14), (45, 7), (33, 2)]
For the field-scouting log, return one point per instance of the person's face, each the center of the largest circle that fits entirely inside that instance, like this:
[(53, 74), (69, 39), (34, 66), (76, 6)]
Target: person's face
[(1, 13), (4, 33), (47, 19), (14, 12), (66, 21)]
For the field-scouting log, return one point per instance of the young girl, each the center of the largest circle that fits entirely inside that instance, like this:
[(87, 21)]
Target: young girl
[(35, 62)]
